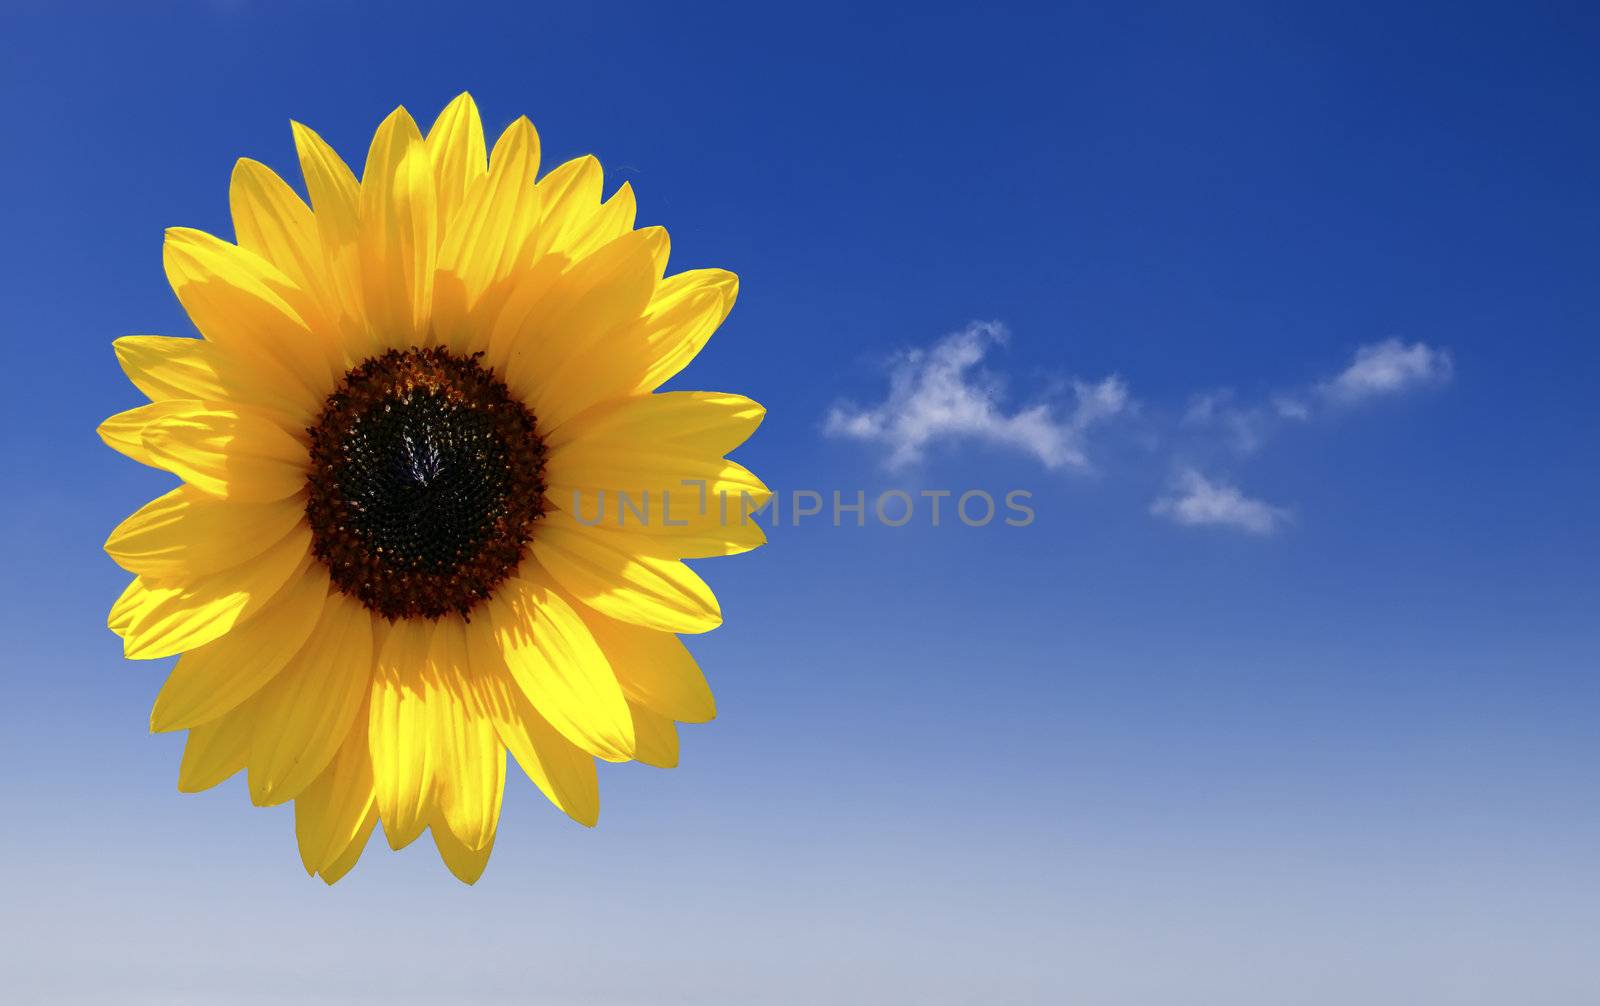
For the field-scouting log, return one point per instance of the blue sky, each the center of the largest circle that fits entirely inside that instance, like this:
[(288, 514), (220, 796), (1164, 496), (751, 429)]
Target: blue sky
[(1286, 318)]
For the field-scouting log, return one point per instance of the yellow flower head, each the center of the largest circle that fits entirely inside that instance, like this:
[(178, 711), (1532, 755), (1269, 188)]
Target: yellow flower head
[(375, 569)]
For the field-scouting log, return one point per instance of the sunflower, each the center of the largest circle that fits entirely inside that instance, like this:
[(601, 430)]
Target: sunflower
[(412, 403)]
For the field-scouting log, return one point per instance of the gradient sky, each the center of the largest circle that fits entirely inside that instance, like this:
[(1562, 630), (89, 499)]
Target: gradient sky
[(1287, 696)]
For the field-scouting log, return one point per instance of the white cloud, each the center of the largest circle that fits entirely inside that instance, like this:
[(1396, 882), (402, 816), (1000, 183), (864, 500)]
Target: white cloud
[(1380, 368), (1291, 407), (1386, 368), (1383, 368), (941, 394), (1244, 426), (1199, 501)]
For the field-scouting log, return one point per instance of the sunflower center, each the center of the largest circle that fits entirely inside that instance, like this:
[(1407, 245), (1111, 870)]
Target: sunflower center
[(427, 477)]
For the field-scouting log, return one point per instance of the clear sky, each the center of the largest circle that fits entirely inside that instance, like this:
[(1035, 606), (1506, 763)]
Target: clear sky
[(1286, 318)]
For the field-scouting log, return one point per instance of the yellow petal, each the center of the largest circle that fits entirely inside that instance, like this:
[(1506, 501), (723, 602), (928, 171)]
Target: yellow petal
[(332, 811), (652, 464), (574, 222), (166, 368), (457, 153), (568, 196), (553, 657), (228, 453), (214, 678), (584, 228), (399, 232), (546, 355), (614, 573), (615, 218), (703, 423), (654, 668), (684, 312), (124, 432), (346, 859), (305, 712), (657, 737), (677, 509), (189, 533), (215, 751), (465, 862), (270, 220), (335, 201), (687, 511), (563, 773), (189, 613), (507, 310), (490, 237), (125, 610), (470, 771), (404, 689), (240, 301)]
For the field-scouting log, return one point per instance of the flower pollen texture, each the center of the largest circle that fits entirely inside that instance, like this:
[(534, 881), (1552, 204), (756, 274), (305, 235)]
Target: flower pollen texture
[(426, 480)]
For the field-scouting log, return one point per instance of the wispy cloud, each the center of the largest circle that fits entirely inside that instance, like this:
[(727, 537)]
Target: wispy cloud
[(1219, 416), (1388, 368), (941, 393), (1245, 427), (1291, 407), (1197, 500), (1378, 369)]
